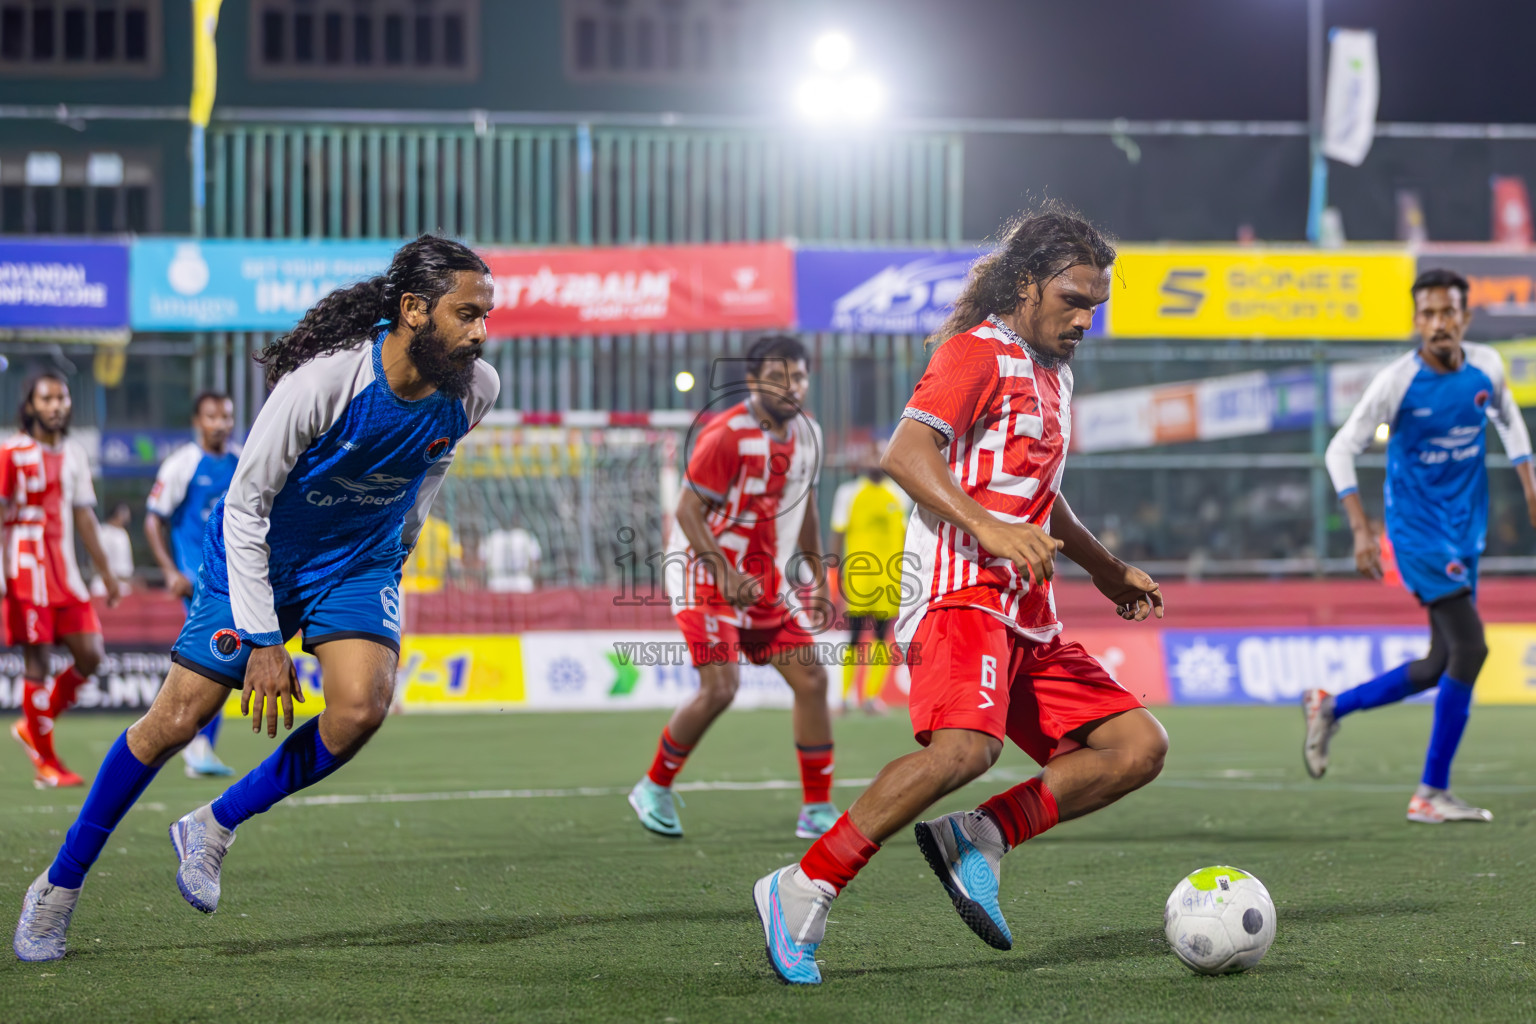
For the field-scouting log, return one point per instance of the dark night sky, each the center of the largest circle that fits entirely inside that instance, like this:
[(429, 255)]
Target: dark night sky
[(1441, 60)]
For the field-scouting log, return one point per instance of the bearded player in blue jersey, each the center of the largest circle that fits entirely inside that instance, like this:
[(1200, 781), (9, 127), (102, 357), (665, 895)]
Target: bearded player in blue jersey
[(188, 487), (337, 475), (1437, 402)]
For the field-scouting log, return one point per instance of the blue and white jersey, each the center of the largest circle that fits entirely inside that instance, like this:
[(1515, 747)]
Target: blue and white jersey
[(187, 489), (1437, 479), (337, 471)]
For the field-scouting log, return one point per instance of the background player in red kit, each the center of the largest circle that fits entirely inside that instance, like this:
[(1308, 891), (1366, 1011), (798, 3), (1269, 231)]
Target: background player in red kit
[(45, 484), (746, 537), (981, 448)]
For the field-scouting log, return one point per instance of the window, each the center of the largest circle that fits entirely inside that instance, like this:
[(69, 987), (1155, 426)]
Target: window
[(364, 39), (80, 38), (664, 41), (78, 193)]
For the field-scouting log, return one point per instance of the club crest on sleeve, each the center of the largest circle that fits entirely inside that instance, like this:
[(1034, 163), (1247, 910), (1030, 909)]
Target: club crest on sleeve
[(226, 644), (436, 449), (1480, 399)]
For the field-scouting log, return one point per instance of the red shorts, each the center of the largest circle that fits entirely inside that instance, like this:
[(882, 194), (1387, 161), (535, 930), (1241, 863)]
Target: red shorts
[(714, 640), (970, 671), (28, 623)]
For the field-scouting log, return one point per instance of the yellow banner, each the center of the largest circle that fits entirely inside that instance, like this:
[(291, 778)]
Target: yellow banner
[(205, 60), (450, 672), (1230, 292), (1509, 674), (1520, 368)]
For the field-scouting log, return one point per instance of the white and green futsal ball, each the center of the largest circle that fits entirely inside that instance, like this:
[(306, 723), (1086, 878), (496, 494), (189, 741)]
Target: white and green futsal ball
[(1219, 920)]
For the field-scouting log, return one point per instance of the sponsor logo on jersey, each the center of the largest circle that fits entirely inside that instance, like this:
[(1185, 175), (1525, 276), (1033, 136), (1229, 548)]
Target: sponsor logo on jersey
[(373, 489), (225, 645), (371, 482), (436, 449)]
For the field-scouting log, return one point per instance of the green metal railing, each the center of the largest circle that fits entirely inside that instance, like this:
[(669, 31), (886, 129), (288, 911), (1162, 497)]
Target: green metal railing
[(579, 184)]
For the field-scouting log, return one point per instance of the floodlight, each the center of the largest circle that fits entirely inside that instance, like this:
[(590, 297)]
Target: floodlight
[(832, 51)]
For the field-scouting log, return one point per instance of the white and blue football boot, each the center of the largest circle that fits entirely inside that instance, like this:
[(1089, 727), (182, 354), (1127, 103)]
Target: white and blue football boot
[(202, 762), (656, 806), (45, 913), (815, 819), (793, 910), (966, 859), (200, 843)]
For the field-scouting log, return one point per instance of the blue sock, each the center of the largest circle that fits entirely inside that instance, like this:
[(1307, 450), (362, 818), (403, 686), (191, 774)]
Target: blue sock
[(119, 782), (301, 761), (1388, 688), (1453, 706), (211, 730)]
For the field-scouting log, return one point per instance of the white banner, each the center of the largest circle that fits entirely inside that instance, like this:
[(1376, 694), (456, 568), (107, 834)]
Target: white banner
[(591, 670), (1354, 87)]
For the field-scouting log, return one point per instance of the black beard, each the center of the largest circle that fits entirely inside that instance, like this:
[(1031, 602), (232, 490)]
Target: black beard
[(452, 375)]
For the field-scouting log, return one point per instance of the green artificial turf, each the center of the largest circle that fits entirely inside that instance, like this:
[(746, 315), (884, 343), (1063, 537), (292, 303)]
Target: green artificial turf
[(558, 907)]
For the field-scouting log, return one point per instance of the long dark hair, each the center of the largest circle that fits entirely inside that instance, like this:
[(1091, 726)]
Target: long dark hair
[(26, 419), (1036, 246), (346, 317)]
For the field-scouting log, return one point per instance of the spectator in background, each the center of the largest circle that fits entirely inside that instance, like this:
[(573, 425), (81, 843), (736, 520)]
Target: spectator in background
[(119, 548), (427, 569), (511, 558)]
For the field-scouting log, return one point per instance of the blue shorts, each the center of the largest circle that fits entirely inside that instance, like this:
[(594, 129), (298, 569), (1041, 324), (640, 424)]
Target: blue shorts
[(363, 604), (1433, 576)]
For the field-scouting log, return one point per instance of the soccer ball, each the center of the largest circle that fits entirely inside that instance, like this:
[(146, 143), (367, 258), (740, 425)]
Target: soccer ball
[(1219, 920)]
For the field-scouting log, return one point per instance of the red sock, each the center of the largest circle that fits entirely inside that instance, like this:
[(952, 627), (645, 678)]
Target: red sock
[(670, 758), (1024, 811), (34, 710), (62, 694), (838, 855), (816, 772)]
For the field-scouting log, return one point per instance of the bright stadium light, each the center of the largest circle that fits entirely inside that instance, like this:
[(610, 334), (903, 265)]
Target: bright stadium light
[(1382, 433), (683, 381), (836, 90), (832, 51)]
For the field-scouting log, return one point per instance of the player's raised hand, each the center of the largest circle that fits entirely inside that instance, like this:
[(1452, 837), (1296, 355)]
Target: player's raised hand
[(1136, 595), (1029, 548), (1367, 555), (269, 679)]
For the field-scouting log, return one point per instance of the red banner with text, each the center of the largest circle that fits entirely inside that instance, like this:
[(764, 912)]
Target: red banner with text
[(635, 290)]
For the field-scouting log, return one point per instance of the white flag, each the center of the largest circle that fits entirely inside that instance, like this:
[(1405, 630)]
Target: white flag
[(1354, 87)]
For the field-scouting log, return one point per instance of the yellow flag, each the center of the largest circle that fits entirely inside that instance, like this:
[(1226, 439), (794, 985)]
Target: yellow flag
[(205, 59)]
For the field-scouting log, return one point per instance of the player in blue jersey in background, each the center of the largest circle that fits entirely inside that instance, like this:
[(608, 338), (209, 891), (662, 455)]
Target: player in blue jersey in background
[(187, 488), (1436, 402), (337, 475)]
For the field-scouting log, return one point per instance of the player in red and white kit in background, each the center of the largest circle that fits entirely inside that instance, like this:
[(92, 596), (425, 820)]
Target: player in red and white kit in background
[(45, 485), (981, 448), (746, 541)]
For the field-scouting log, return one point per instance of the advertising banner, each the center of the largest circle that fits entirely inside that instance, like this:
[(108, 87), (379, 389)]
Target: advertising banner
[(1274, 666), (128, 679), (239, 285), (627, 290), (1259, 293), (1520, 369), (69, 285), (138, 452), (883, 291), (1502, 293), (1509, 674)]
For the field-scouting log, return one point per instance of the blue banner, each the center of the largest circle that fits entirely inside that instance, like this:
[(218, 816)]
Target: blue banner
[(238, 285), (68, 285), (138, 452), (883, 291), (1274, 666)]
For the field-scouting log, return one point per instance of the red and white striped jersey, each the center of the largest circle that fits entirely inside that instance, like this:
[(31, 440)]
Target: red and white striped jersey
[(1006, 412), (759, 485), (41, 487)]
